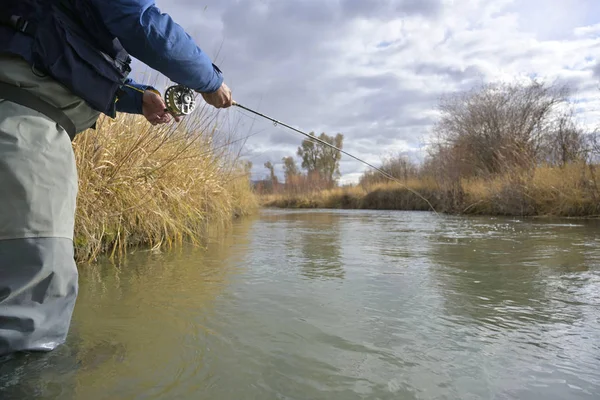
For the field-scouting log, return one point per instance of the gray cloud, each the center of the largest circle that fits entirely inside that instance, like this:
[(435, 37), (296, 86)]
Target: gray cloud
[(390, 9), (422, 7), (281, 138), (577, 84), (596, 70), (455, 73), (558, 19), (385, 80)]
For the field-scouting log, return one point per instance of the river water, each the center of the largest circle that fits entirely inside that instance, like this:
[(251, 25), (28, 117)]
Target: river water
[(338, 305)]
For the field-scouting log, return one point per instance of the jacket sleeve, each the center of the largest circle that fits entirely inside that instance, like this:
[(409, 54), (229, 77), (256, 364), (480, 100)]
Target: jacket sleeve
[(131, 99), (155, 39)]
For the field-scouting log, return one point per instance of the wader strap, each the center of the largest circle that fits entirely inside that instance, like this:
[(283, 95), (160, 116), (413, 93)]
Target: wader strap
[(27, 99), (18, 23)]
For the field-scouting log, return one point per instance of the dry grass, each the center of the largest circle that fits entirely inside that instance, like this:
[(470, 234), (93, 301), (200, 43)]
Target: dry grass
[(154, 186), (570, 191), (392, 196)]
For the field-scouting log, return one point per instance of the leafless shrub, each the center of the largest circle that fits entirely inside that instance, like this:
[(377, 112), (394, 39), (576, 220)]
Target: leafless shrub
[(399, 166), (497, 127), (564, 143)]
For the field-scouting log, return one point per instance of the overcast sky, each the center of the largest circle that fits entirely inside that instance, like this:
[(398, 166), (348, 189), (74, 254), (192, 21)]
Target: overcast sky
[(374, 70)]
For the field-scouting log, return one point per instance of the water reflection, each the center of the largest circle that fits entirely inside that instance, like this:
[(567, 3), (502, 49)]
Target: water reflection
[(321, 247), (477, 266), (484, 268), (520, 290), (312, 241), (134, 316)]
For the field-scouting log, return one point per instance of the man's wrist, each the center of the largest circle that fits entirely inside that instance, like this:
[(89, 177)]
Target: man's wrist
[(131, 100)]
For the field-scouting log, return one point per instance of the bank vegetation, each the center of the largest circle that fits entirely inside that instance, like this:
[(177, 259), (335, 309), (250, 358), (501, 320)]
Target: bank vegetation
[(156, 186), (499, 149)]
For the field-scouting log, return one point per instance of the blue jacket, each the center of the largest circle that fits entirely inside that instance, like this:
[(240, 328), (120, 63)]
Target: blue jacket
[(143, 31), (155, 39)]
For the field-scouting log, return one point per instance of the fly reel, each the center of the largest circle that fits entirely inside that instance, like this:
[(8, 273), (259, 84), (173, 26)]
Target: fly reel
[(180, 100)]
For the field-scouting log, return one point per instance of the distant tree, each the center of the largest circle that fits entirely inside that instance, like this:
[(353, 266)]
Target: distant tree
[(320, 159), (290, 169), (247, 166), (329, 162), (271, 168), (309, 152)]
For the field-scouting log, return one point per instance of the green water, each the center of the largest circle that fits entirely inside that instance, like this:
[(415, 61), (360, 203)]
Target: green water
[(338, 305)]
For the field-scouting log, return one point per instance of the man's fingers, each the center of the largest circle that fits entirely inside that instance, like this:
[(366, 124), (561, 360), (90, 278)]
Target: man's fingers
[(155, 119), (162, 118)]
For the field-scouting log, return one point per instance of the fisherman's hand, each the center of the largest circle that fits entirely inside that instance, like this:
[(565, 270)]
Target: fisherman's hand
[(219, 99), (154, 108)]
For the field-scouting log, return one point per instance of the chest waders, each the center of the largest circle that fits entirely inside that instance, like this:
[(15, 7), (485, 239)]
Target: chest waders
[(38, 177), (39, 116)]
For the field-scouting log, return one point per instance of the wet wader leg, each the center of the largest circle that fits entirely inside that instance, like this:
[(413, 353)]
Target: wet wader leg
[(38, 190), (41, 289)]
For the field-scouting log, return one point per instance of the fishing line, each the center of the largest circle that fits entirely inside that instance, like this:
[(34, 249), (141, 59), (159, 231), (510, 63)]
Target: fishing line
[(316, 139), (180, 101)]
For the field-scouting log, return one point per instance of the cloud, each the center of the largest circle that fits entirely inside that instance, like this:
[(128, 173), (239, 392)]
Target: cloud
[(387, 10), (596, 70), (375, 70)]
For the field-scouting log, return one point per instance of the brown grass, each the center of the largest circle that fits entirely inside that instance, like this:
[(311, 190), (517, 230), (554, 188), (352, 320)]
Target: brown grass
[(154, 186), (391, 196)]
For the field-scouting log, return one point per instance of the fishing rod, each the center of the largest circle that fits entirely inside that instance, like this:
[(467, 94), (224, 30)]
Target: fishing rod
[(180, 100)]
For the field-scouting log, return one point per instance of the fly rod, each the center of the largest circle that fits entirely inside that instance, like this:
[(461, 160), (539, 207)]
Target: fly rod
[(314, 138), (180, 101)]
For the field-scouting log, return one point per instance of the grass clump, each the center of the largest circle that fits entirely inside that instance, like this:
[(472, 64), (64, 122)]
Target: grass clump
[(155, 185)]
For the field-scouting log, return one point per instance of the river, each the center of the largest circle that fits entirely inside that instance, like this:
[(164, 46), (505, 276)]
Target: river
[(323, 304)]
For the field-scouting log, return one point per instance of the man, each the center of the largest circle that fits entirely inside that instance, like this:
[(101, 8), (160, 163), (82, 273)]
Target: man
[(62, 64)]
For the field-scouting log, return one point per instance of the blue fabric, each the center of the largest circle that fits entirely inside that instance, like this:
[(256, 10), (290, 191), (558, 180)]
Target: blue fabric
[(155, 39), (144, 32), (131, 100)]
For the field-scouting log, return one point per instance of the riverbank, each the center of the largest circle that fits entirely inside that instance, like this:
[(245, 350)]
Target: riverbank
[(144, 185), (569, 191)]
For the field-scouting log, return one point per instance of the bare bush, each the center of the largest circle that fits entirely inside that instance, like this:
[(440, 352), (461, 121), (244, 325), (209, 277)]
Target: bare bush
[(399, 166), (496, 127), (564, 144)]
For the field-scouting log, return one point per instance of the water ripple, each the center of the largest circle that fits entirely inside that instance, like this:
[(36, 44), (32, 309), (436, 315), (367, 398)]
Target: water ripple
[(335, 304)]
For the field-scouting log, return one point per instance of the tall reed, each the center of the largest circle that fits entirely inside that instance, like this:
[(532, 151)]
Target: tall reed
[(155, 185)]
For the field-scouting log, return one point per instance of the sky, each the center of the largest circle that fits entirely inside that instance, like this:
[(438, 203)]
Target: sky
[(375, 70)]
